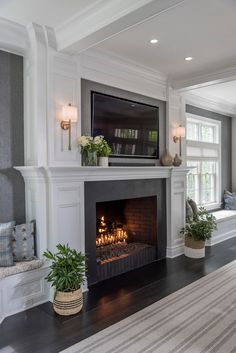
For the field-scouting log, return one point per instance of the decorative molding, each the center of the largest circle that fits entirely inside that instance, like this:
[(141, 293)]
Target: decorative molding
[(205, 79), (226, 229), (60, 208), (103, 67), (22, 291), (175, 251), (13, 37), (217, 105), (105, 19)]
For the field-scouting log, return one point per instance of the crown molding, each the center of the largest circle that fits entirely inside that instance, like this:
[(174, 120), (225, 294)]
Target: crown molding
[(13, 37), (108, 69), (105, 19), (205, 79), (213, 104), (127, 65)]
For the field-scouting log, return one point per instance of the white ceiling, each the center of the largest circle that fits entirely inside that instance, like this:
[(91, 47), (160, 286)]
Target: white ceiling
[(203, 29), (221, 92), (52, 13)]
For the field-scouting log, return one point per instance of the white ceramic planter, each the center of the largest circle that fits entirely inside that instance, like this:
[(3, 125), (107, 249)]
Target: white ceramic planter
[(194, 253), (103, 161)]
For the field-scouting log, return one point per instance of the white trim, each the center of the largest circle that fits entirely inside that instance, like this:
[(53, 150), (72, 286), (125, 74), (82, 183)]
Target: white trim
[(104, 19), (13, 37), (201, 145), (205, 79), (216, 105), (175, 251), (108, 69)]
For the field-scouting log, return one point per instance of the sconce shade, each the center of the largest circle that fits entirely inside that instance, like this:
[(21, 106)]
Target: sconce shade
[(180, 131), (69, 112)]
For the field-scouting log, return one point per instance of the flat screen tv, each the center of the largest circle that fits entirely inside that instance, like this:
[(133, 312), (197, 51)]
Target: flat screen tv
[(131, 128)]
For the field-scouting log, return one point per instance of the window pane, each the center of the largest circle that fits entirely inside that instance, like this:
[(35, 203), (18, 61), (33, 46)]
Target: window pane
[(207, 133), (193, 180), (192, 131)]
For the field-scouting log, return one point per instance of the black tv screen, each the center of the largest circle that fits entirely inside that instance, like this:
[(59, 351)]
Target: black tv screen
[(130, 128)]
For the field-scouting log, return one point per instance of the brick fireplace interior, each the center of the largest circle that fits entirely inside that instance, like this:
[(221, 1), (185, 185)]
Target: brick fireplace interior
[(125, 226), (126, 235)]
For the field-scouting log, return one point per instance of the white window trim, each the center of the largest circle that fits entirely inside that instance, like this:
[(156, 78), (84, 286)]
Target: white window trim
[(194, 143)]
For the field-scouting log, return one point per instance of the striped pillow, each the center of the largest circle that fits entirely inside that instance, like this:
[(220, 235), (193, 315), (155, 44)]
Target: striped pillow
[(6, 256)]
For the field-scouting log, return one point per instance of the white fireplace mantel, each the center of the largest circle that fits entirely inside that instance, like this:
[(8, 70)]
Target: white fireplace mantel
[(99, 173), (55, 198)]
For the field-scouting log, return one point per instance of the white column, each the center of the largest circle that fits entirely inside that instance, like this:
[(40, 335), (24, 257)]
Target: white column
[(176, 196), (175, 115)]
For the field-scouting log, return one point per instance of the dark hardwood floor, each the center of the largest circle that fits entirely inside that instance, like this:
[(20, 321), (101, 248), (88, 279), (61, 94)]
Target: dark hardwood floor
[(39, 330)]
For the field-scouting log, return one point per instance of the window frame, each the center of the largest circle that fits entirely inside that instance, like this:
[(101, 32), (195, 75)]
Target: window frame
[(207, 145)]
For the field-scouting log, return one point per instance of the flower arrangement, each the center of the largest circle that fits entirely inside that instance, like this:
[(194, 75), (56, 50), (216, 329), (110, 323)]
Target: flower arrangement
[(93, 147), (87, 143), (103, 149)]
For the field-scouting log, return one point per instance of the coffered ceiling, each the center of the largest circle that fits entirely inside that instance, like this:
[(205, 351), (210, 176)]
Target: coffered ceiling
[(52, 13), (220, 92), (202, 29)]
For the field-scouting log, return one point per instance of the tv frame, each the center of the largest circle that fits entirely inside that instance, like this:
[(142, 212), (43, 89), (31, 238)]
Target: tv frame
[(157, 156)]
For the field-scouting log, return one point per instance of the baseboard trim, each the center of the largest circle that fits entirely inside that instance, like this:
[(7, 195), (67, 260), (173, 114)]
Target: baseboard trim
[(221, 237), (174, 251)]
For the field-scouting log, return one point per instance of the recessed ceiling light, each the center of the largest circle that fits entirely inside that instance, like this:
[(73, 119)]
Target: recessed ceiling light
[(154, 41), (188, 58)]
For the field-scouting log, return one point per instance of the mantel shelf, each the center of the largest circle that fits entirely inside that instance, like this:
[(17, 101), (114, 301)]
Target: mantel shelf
[(101, 173)]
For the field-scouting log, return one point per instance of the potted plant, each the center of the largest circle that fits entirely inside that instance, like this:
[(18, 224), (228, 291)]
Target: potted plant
[(66, 275), (103, 150), (197, 232), (88, 149)]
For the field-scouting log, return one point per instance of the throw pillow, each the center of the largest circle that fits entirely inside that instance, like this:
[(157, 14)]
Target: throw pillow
[(229, 200), (6, 257), (23, 242), (189, 212), (194, 208)]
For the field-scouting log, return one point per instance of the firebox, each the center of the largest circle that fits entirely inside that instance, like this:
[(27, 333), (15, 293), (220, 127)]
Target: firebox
[(126, 235), (125, 226)]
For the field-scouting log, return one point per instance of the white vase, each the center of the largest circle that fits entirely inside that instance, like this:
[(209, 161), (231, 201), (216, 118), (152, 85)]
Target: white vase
[(103, 161)]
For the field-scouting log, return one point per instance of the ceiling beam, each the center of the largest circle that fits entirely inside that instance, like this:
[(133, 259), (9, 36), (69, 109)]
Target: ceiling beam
[(105, 19)]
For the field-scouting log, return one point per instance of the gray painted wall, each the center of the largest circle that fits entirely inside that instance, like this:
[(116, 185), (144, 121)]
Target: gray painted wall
[(12, 194), (88, 86), (226, 141)]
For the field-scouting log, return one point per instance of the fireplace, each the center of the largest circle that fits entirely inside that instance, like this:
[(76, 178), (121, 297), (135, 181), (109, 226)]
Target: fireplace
[(125, 226), (126, 235)]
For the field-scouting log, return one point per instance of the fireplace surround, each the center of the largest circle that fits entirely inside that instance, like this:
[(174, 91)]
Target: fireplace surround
[(55, 197), (138, 207)]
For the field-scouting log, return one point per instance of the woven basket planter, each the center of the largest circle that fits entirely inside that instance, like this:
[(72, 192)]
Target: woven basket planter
[(194, 248), (68, 303)]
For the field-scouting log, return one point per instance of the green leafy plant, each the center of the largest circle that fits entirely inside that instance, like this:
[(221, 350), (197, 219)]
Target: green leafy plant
[(200, 229), (103, 149), (67, 268)]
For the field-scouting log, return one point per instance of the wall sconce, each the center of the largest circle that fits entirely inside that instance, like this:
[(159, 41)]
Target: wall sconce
[(179, 133), (68, 115)]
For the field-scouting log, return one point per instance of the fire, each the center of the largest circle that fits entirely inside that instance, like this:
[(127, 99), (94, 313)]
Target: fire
[(106, 236)]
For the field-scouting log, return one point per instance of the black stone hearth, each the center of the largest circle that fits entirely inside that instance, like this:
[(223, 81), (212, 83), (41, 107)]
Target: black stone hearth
[(134, 207)]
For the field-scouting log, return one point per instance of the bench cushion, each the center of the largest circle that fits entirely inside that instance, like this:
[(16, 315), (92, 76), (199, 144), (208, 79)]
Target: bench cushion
[(223, 215), (20, 267)]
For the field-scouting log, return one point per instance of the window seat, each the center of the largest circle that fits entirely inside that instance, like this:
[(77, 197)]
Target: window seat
[(23, 286), (226, 226), (20, 267)]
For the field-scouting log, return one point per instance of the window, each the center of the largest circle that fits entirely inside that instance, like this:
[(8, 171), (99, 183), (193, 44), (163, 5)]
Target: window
[(204, 156)]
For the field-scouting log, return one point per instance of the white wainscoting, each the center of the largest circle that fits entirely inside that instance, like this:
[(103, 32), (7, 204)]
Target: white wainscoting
[(226, 227), (23, 291)]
